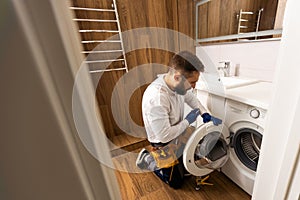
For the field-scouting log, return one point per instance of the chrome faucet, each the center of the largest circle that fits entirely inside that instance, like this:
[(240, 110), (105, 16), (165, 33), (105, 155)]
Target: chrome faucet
[(225, 68)]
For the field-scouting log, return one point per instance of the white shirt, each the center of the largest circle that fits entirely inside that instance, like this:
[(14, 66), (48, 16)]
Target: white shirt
[(163, 111)]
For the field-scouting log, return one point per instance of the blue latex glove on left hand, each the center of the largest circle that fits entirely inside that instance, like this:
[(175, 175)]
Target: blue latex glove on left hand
[(192, 116), (207, 117)]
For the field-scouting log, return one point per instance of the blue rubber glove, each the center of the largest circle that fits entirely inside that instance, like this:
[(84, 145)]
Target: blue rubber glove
[(207, 117), (192, 116)]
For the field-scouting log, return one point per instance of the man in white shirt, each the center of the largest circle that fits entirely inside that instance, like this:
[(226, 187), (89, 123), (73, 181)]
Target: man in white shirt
[(163, 115)]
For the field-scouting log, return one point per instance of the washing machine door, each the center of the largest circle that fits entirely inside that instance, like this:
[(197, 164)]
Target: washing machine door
[(206, 149)]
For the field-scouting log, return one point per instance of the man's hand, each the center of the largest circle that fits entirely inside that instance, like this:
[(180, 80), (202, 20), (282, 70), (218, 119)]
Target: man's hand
[(192, 116), (207, 117)]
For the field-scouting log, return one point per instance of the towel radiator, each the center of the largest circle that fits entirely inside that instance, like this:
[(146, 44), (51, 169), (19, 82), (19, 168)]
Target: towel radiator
[(109, 50), (248, 21)]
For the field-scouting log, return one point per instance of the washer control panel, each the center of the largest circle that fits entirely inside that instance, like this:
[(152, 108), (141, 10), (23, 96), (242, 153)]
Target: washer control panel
[(242, 110)]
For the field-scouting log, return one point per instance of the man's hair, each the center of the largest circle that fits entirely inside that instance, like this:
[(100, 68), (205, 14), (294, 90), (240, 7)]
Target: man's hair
[(186, 62)]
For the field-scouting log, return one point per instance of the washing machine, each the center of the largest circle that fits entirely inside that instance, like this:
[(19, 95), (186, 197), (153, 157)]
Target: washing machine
[(244, 137)]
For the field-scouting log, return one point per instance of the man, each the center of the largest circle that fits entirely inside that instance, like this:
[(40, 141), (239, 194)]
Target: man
[(163, 115)]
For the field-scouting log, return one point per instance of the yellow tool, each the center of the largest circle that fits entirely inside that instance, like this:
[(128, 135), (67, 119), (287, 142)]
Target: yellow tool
[(201, 181)]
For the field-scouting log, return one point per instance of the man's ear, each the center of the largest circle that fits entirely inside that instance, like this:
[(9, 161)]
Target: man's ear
[(177, 77)]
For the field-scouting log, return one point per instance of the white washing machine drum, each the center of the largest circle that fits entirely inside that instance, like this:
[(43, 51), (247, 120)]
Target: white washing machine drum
[(206, 150)]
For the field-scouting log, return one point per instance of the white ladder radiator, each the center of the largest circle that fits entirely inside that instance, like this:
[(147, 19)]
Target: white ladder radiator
[(109, 50)]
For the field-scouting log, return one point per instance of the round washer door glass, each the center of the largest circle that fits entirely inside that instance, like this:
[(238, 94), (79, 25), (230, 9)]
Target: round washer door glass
[(211, 151), (246, 144)]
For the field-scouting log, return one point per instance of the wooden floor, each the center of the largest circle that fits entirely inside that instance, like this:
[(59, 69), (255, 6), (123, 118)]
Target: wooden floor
[(137, 184)]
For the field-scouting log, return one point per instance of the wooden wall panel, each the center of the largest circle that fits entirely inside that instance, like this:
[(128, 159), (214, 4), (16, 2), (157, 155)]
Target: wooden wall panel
[(104, 91), (148, 13), (202, 21), (106, 4), (269, 14), (98, 25), (213, 14), (135, 106), (93, 46), (227, 24), (99, 36), (186, 24), (186, 17), (94, 14)]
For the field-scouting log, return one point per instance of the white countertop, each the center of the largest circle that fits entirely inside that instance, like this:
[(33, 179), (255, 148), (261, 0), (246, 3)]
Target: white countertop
[(257, 94), (245, 90)]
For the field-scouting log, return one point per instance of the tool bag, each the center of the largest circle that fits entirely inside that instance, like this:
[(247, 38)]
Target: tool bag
[(165, 156)]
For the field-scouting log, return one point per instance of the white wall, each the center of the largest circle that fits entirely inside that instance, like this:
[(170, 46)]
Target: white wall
[(256, 59)]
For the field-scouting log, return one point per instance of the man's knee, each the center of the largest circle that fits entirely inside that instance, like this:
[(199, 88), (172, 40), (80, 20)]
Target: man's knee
[(176, 184)]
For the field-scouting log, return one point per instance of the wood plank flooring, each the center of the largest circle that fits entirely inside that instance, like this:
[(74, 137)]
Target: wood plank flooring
[(125, 142), (137, 184)]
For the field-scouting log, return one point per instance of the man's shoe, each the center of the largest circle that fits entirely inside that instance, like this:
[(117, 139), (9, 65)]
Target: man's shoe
[(140, 160)]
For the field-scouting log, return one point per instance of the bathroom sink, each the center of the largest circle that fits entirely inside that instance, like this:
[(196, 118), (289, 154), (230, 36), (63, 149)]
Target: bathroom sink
[(214, 83), (232, 82)]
